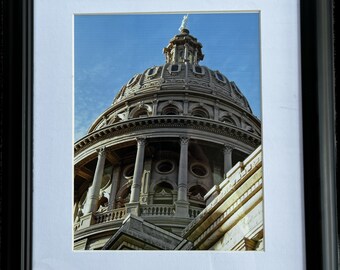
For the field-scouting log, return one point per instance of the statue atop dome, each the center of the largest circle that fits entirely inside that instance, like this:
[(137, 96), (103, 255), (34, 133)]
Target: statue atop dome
[(183, 47), (184, 23)]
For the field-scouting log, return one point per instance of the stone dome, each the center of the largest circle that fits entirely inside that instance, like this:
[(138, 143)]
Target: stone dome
[(182, 72), (183, 77), (171, 134)]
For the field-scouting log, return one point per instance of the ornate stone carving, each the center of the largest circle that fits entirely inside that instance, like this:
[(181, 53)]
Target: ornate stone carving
[(228, 148), (141, 141), (101, 151), (184, 140)]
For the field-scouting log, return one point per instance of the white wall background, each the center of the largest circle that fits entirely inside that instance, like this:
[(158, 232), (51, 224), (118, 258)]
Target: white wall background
[(53, 147)]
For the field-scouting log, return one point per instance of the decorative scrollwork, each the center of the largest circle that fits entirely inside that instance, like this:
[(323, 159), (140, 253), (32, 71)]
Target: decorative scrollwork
[(184, 140), (141, 141)]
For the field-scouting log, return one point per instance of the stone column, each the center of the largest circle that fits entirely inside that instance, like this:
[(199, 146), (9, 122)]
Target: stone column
[(133, 205), (216, 110), (154, 106), (182, 205), (185, 105), (114, 185), (93, 193), (175, 56), (186, 52), (227, 152), (146, 181)]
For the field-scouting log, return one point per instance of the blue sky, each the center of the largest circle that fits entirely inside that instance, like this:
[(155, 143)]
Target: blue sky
[(110, 49)]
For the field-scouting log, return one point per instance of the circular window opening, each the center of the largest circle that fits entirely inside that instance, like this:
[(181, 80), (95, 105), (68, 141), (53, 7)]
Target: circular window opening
[(199, 170), (165, 167), (128, 173), (106, 180), (133, 80)]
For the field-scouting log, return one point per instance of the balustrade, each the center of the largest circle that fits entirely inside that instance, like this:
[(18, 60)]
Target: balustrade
[(146, 211), (110, 215), (166, 210), (193, 212), (157, 210)]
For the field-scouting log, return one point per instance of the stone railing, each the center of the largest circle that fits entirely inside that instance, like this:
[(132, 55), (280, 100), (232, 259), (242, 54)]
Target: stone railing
[(157, 210), (76, 226), (114, 214), (194, 211), (165, 210)]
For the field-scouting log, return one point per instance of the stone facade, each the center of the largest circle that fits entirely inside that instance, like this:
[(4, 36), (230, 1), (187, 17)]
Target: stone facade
[(152, 164)]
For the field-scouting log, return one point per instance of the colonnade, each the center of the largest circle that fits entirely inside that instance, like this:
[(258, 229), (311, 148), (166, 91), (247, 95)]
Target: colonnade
[(182, 198)]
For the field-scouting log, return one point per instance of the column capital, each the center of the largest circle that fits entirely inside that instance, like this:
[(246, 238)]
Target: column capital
[(184, 140), (101, 151), (141, 141), (228, 148)]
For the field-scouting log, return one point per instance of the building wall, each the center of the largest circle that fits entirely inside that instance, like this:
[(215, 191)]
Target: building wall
[(233, 217)]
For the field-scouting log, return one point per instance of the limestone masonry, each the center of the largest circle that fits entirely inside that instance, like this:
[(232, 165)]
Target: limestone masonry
[(174, 163)]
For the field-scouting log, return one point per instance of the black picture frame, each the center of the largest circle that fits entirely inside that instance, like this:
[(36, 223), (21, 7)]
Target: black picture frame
[(319, 135), (319, 139)]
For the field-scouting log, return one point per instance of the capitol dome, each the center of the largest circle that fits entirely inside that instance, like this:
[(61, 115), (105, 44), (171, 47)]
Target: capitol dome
[(171, 134)]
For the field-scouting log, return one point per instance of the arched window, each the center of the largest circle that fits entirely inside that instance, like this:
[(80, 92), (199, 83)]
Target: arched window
[(200, 112), (167, 187), (220, 77), (228, 120), (198, 70), (102, 204), (142, 112), (132, 81), (115, 119), (197, 192), (170, 110), (163, 193), (152, 72), (124, 197), (174, 68)]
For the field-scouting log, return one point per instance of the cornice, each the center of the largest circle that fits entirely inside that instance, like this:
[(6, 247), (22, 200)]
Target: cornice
[(138, 124)]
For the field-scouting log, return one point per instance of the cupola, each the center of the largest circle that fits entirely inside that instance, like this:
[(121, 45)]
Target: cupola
[(183, 47)]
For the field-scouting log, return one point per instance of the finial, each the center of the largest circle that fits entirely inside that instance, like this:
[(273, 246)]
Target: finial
[(184, 23)]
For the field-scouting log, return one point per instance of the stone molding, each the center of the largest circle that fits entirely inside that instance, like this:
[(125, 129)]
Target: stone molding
[(133, 125), (226, 104), (228, 187), (141, 141), (228, 148)]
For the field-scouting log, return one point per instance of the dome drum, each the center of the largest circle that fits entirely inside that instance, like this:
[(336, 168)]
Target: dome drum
[(154, 104), (171, 134)]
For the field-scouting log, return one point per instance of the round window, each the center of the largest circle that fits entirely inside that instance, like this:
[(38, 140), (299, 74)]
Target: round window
[(199, 170), (128, 172), (106, 180), (165, 167)]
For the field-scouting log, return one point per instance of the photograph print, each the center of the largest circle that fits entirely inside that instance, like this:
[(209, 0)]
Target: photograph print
[(167, 132)]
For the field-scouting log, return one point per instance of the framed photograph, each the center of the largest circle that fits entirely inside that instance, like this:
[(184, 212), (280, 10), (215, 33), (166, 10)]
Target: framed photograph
[(147, 120), (171, 135)]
